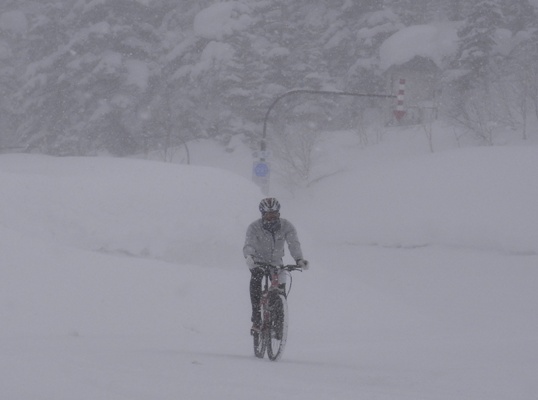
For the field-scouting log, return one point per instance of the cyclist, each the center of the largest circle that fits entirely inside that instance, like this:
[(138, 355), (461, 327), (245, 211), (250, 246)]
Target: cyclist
[(264, 243)]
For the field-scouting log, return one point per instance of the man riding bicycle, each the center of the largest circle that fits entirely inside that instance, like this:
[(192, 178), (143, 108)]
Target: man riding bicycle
[(264, 243)]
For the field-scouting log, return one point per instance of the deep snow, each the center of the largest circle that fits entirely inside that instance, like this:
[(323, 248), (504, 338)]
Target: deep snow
[(124, 279)]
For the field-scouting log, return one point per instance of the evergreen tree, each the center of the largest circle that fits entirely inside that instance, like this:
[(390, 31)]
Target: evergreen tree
[(127, 76), (519, 15), (13, 28), (414, 12), (84, 90), (369, 30), (477, 40)]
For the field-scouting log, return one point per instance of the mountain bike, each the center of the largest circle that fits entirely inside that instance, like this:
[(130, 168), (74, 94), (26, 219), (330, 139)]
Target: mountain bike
[(274, 311)]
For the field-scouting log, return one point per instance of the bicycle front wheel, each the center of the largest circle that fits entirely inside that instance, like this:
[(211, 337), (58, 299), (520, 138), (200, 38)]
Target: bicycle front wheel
[(260, 343), (278, 327)]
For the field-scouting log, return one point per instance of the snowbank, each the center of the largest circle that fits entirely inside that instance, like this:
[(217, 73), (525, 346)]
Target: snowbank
[(177, 213)]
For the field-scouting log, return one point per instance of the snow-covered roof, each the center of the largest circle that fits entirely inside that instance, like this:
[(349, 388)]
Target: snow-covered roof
[(435, 42)]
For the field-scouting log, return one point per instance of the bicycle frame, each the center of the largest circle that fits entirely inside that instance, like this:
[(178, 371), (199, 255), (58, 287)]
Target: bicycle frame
[(270, 276)]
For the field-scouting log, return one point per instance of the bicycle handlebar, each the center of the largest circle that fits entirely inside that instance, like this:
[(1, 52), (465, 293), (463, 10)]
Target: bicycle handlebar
[(269, 267)]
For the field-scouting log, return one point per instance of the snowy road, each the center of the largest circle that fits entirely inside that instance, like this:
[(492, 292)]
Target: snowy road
[(401, 324)]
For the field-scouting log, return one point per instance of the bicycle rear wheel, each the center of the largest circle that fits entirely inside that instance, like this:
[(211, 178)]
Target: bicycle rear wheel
[(278, 327)]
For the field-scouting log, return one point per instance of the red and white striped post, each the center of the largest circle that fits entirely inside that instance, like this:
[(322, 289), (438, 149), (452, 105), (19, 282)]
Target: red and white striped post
[(400, 112)]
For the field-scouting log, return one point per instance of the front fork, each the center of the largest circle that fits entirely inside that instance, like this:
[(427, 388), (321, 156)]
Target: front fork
[(265, 298)]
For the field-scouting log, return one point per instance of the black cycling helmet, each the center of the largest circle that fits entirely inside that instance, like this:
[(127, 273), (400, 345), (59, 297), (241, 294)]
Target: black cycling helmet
[(269, 204)]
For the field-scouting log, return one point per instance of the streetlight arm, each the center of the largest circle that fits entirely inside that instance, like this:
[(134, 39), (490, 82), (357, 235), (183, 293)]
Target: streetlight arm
[(263, 144)]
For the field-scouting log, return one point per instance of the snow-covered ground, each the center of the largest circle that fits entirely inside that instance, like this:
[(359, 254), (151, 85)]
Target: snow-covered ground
[(124, 279)]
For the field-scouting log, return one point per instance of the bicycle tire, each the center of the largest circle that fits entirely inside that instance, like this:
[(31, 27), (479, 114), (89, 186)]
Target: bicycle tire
[(277, 332), (260, 344), (259, 337)]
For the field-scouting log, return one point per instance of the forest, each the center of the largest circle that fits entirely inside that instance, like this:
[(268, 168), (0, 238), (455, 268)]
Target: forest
[(125, 77)]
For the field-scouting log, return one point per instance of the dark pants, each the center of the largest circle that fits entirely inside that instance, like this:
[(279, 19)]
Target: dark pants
[(255, 292), (256, 278)]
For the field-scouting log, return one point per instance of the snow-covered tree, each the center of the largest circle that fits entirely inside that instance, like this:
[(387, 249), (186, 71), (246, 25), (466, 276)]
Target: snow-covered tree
[(13, 52), (126, 76), (477, 39), (519, 15), (83, 92)]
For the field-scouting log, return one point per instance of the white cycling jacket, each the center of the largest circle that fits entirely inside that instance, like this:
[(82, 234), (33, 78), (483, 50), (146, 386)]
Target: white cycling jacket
[(267, 247)]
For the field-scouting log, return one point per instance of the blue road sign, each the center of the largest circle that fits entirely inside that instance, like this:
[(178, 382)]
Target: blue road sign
[(261, 169)]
